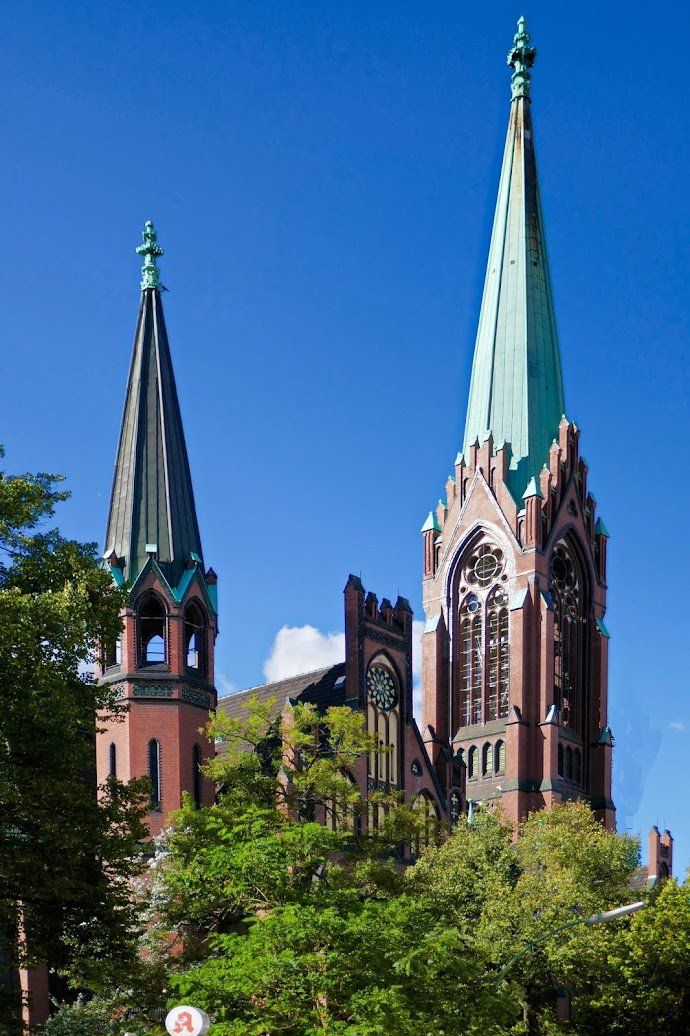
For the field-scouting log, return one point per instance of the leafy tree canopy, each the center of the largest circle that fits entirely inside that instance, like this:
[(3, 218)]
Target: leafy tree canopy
[(65, 855)]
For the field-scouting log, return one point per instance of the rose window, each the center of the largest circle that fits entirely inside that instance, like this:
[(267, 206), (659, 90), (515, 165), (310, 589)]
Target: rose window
[(484, 566)]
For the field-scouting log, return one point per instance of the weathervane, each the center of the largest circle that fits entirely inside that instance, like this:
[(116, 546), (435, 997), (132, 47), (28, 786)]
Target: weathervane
[(150, 274), (521, 58)]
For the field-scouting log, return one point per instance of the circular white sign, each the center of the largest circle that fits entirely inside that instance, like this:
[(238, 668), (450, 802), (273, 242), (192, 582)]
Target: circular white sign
[(187, 1021)]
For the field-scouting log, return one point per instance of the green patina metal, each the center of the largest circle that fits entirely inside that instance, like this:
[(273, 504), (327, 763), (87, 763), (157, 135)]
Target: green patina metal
[(152, 519), (431, 524), (600, 529), (521, 57), (151, 250), (516, 391), (532, 490)]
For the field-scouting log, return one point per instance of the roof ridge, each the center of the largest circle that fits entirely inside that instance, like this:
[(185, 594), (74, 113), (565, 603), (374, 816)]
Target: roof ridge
[(285, 679)]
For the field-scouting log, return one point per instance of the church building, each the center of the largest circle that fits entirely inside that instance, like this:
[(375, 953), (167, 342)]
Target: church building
[(515, 645)]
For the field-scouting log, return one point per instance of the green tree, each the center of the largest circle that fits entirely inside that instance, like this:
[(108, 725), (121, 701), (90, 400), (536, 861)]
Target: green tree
[(66, 855), (276, 923)]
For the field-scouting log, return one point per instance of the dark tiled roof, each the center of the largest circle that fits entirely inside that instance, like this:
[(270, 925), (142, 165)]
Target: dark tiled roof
[(639, 879), (152, 499), (322, 687)]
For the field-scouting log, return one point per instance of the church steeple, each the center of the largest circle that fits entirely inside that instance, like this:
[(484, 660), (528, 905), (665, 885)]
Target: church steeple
[(162, 664), (152, 512), (516, 392)]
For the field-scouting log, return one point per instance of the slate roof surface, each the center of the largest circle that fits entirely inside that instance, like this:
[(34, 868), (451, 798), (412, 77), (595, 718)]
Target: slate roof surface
[(322, 687), (152, 499), (516, 390)]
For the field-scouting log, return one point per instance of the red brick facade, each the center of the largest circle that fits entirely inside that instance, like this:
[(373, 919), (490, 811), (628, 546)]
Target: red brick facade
[(169, 701), (515, 646)]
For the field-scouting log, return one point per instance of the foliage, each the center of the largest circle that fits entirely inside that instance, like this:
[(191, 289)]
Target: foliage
[(92, 1018), (278, 923), (66, 856)]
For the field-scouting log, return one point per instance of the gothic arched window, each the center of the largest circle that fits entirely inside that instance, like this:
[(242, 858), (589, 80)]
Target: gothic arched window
[(482, 653), (341, 812), (472, 762), (383, 718), (500, 757), (196, 775), (486, 760), (195, 638), (112, 760), (569, 637), (152, 632), (499, 657), (471, 664), (155, 772), (427, 818)]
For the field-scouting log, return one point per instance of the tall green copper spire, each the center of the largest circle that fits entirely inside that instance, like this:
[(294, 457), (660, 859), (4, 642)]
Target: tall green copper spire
[(151, 250), (152, 511), (516, 391)]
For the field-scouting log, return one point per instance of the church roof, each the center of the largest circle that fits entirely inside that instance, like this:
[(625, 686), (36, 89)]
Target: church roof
[(321, 687), (152, 508), (516, 391)]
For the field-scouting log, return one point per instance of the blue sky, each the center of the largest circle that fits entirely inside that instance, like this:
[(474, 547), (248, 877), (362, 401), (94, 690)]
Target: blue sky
[(323, 179)]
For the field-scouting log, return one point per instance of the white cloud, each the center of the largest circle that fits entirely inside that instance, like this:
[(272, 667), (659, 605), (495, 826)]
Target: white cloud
[(677, 725), (299, 649), (224, 686)]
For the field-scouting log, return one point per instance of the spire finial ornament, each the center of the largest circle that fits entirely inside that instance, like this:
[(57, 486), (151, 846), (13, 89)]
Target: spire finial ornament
[(150, 274), (521, 58)]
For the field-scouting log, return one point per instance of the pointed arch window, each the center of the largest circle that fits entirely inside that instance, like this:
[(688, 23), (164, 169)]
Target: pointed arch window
[(500, 757), (155, 772), (383, 720), (567, 590), (153, 632), (196, 775), (195, 638), (341, 812), (472, 660), (499, 656), (472, 767), (427, 819), (112, 759), (486, 760), (482, 665)]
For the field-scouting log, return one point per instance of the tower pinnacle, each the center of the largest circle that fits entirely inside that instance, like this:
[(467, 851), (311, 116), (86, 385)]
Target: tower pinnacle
[(150, 249), (516, 392), (521, 58)]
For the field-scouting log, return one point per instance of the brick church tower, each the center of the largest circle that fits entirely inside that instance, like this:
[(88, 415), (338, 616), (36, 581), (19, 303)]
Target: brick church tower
[(162, 666), (515, 644)]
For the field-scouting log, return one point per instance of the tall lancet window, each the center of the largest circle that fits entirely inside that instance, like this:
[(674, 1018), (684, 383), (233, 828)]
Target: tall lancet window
[(483, 653), (569, 637), (152, 632), (499, 657), (194, 635), (383, 715)]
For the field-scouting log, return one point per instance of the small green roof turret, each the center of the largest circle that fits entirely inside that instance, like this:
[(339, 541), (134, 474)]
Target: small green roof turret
[(532, 490), (431, 524), (601, 530), (151, 250), (516, 391)]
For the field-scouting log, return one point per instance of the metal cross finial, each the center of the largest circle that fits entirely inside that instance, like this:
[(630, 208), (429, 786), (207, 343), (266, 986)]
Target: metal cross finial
[(521, 58), (150, 274)]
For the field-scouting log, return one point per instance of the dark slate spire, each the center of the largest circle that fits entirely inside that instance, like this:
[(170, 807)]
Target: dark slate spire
[(152, 510), (516, 390)]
